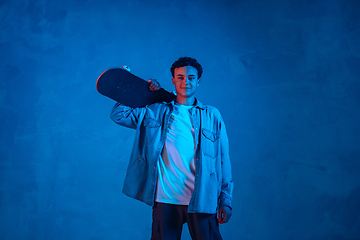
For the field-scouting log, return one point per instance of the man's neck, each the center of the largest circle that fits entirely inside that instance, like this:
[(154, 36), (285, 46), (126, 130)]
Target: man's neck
[(185, 101)]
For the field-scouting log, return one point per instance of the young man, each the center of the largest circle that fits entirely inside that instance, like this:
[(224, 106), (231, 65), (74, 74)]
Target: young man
[(180, 161)]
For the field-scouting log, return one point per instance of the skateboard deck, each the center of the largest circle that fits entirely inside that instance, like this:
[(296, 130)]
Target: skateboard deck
[(124, 87)]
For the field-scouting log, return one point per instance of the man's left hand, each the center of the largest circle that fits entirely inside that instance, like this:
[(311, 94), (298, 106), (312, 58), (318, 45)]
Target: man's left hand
[(154, 85), (224, 214)]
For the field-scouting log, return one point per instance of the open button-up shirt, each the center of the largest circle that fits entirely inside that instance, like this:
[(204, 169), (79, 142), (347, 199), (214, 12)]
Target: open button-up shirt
[(213, 180)]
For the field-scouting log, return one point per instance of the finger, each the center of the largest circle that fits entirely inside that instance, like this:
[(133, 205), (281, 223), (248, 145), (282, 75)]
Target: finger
[(153, 87), (221, 216)]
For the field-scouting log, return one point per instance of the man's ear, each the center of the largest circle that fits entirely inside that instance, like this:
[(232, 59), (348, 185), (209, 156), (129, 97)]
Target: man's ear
[(172, 79), (198, 81)]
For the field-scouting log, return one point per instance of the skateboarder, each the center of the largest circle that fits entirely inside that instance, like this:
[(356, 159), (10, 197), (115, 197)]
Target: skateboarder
[(180, 161)]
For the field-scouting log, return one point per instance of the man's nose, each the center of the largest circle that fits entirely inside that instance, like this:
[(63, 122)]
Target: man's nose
[(186, 80)]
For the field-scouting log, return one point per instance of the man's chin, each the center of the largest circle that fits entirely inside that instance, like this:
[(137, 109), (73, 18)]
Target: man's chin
[(185, 95)]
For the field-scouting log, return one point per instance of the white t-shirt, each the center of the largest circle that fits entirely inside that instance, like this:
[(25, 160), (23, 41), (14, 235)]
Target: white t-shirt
[(176, 166)]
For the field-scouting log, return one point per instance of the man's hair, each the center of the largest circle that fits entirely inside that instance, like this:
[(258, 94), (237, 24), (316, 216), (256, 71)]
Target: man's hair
[(187, 61)]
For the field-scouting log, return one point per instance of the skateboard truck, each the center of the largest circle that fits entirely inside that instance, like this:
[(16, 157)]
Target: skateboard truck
[(126, 68)]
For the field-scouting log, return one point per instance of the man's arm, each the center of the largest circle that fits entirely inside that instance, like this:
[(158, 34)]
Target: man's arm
[(126, 116)]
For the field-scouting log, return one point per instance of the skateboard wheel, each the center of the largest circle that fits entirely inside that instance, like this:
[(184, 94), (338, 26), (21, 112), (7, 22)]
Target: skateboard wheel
[(126, 68)]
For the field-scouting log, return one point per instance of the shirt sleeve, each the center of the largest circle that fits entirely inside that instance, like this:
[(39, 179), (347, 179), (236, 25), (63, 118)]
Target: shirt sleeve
[(227, 184), (127, 116)]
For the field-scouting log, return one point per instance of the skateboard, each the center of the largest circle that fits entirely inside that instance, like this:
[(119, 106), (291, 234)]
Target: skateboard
[(124, 87)]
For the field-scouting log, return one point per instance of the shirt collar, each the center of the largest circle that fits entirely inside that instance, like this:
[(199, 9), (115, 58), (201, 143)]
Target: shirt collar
[(197, 104)]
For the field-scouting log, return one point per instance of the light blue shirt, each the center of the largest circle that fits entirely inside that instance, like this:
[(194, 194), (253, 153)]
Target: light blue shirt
[(213, 180)]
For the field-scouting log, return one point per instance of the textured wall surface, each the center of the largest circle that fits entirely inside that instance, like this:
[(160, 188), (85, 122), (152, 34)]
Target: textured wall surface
[(284, 74)]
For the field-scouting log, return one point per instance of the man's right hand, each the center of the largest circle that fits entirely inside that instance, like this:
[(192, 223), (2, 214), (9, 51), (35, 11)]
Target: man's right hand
[(224, 214), (154, 85)]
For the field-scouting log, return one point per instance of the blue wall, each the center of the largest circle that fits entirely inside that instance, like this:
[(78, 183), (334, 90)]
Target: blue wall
[(285, 75)]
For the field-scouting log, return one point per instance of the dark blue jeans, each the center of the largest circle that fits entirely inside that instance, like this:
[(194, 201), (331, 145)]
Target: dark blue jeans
[(168, 220)]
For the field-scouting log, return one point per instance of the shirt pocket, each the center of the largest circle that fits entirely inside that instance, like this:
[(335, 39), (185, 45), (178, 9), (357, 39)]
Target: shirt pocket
[(210, 146), (151, 123), (149, 129)]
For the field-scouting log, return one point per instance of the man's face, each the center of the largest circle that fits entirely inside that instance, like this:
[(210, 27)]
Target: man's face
[(185, 80)]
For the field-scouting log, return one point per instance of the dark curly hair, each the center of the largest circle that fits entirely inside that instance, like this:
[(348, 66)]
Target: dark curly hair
[(187, 61)]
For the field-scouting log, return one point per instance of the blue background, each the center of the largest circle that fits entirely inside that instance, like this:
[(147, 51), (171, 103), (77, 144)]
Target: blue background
[(284, 74)]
